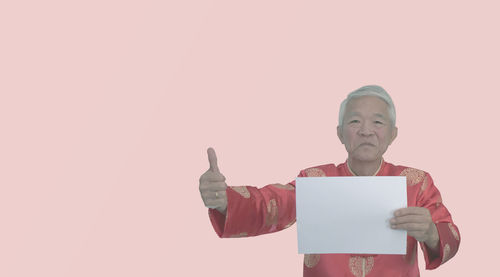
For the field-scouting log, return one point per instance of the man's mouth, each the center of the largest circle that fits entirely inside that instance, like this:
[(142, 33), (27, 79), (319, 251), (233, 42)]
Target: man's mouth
[(367, 144)]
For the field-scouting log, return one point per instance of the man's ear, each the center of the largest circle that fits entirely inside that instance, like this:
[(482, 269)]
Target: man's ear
[(394, 134), (339, 134)]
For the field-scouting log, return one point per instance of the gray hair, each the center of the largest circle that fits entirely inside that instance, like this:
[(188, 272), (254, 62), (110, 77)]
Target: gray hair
[(371, 90)]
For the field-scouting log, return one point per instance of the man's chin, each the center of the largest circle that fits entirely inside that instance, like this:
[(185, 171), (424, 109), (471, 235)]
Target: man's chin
[(366, 158)]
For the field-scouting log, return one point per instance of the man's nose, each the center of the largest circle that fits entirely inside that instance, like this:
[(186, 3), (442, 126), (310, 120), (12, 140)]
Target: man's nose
[(365, 129)]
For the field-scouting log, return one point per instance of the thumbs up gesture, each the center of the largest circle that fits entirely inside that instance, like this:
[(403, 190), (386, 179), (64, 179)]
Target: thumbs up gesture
[(213, 185)]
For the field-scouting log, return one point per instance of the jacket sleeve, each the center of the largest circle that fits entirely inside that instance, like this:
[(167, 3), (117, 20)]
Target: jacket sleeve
[(449, 236), (252, 211)]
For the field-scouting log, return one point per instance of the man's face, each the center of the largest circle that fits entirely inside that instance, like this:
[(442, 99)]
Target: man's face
[(367, 130)]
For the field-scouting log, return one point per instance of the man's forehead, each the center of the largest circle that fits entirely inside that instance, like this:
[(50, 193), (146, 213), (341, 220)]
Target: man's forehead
[(357, 113)]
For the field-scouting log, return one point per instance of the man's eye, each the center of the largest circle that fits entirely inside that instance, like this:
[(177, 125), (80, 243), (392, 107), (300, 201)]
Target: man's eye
[(379, 122), (354, 121)]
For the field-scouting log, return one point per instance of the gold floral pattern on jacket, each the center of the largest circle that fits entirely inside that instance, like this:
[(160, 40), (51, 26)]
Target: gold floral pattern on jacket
[(311, 260), (240, 235), (453, 231), (446, 253), (272, 213), (423, 186), (361, 266), (286, 187), (290, 224), (315, 172), (439, 201), (242, 190), (413, 176)]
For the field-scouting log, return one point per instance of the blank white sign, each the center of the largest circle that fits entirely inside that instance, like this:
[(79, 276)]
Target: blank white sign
[(350, 214)]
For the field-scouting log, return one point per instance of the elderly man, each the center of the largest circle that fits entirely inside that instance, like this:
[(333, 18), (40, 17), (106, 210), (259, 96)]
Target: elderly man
[(366, 127)]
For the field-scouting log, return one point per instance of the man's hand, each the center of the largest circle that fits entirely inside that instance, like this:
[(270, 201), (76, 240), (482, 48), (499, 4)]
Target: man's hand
[(213, 185), (418, 222)]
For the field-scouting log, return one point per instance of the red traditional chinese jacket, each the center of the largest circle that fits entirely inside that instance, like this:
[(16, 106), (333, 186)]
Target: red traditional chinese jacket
[(252, 211)]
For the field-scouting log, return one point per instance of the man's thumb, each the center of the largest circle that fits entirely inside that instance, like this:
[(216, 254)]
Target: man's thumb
[(212, 159)]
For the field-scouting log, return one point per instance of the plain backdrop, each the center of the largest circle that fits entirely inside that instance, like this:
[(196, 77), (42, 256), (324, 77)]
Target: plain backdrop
[(107, 109)]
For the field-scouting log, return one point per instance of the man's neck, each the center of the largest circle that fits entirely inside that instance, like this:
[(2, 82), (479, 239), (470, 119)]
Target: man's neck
[(362, 168)]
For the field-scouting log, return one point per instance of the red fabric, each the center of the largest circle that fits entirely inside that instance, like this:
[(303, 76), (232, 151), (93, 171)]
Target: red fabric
[(252, 211)]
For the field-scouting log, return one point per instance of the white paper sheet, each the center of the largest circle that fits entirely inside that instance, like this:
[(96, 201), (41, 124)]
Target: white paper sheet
[(350, 214)]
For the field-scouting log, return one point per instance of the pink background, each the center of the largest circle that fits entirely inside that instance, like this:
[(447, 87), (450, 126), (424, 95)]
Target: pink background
[(107, 109)]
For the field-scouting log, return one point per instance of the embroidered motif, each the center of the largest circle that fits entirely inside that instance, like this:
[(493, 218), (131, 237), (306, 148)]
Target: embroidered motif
[(311, 260), (240, 235), (453, 231), (446, 253), (290, 224), (272, 213), (286, 187), (315, 172), (360, 266), (439, 201), (424, 186), (413, 176), (242, 190)]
